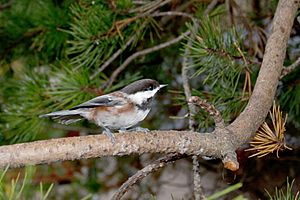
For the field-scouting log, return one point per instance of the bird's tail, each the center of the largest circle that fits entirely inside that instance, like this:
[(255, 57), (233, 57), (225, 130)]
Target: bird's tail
[(65, 116)]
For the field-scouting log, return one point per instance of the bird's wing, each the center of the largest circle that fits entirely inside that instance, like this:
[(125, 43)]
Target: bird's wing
[(104, 100)]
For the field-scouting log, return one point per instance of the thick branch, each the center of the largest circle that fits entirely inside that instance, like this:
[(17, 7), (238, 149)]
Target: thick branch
[(264, 91), (83, 147)]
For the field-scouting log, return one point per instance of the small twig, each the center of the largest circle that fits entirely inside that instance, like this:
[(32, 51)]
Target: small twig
[(174, 13), (247, 82), (187, 91), (141, 53), (150, 7), (118, 52), (210, 7), (289, 69), (6, 5), (156, 165), (179, 8), (213, 112), (26, 36), (198, 191), (114, 56), (164, 2), (185, 80)]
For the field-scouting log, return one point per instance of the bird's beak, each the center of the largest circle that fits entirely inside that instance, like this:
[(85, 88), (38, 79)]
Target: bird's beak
[(161, 86)]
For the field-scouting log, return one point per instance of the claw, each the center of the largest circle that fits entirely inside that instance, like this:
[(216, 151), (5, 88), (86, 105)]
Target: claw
[(122, 130), (138, 128)]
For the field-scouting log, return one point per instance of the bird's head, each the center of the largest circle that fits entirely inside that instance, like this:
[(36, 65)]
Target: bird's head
[(142, 91)]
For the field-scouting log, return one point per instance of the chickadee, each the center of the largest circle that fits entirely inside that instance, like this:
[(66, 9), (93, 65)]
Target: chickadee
[(119, 110)]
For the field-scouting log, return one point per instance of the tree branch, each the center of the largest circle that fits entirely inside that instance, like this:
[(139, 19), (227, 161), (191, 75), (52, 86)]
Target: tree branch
[(6, 5), (263, 94), (156, 165), (221, 143), (210, 7), (141, 53), (213, 112), (168, 158), (289, 69), (113, 57), (119, 51), (186, 87), (198, 191), (83, 147), (150, 7)]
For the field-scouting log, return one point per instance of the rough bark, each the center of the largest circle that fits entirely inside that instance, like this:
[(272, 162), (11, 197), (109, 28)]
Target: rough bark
[(264, 91)]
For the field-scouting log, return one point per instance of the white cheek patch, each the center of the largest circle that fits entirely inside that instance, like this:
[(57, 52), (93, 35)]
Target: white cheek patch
[(140, 97)]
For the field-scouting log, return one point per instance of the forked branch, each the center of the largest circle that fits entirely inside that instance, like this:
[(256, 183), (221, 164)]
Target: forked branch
[(221, 143)]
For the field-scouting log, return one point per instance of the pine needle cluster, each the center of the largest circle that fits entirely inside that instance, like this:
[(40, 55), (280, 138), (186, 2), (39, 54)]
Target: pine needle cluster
[(268, 140)]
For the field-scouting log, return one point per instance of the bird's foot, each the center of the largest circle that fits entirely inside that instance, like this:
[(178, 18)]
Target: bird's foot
[(140, 129), (109, 134)]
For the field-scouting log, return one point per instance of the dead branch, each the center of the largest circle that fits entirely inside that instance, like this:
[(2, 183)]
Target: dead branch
[(141, 53), (210, 7), (6, 5), (114, 56), (145, 51), (119, 51), (213, 112), (156, 165), (198, 191), (198, 188), (291, 68), (186, 87), (150, 7)]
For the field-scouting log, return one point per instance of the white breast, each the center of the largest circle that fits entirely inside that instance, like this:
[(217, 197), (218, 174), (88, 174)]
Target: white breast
[(121, 121)]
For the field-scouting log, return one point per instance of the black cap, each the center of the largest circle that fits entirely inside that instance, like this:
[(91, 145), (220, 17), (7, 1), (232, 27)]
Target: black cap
[(141, 85)]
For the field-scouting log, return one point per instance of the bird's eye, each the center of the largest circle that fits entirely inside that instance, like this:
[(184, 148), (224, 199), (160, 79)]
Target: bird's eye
[(150, 88)]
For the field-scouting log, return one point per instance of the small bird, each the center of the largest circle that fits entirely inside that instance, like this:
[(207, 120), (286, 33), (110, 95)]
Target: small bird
[(119, 110)]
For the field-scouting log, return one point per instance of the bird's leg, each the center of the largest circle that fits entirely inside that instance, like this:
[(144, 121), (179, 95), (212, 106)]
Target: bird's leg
[(109, 134)]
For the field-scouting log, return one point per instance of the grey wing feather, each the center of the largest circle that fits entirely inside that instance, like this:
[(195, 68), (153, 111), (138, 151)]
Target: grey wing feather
[(105, 100), (80, 111)]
